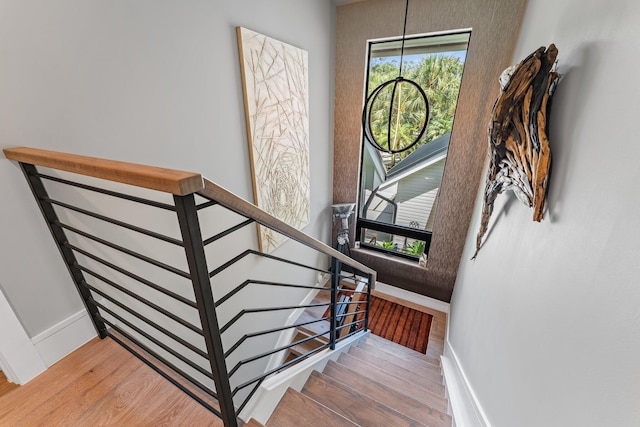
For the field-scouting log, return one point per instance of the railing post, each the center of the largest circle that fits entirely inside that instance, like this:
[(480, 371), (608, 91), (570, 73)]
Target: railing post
[(366, 314), (335, 280), (194, 248), (60, 238)]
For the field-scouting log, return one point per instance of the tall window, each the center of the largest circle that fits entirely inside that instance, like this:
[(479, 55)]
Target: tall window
[(399, 192)]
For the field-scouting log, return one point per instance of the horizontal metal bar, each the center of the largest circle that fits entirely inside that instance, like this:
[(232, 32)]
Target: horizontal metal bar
[(143, 300), (148, 321), (354, 313), (228, 231), (151, 338), (279, 368), (133, 276), (230, 262), (263, 282), (412, 233), (110, 193), (164, 361), (125, 250), (269, 331), (114, 221), (350, 324), (260, 254), (249, 396), (166, 376), (350, 334), (270, 352), (206, 204), (261, 310)]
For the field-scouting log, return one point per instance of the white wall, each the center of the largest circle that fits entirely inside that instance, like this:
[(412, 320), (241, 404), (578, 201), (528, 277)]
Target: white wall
[(546, 321), (154, 82)]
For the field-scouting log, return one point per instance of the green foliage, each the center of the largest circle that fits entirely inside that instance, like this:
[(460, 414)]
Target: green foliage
[(416, 248), (439, 76), (387, 244)]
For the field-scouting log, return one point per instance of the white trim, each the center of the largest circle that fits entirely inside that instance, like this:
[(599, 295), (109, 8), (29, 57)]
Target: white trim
[(413, 297), (63, 338), (463, 402), (19, 359)]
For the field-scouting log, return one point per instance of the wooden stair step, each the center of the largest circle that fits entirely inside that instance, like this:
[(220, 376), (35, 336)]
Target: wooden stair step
[(398, 371), (304, 347), (297, 409), (413, 367), (253, 423), (404, 404), (399, 350), (314, 328), (399, 385), (352, 404)]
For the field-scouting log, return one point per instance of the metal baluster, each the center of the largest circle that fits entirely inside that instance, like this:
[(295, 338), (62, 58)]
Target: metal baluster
[(194, 248), (366, 315), (60, 238), (335, 279)]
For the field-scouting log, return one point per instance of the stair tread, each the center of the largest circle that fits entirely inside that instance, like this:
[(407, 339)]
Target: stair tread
[(253, 423), (407, 368), (352, 404), (305, 347), (400, 351), (378, 391), (314, 328), (297, 409), (399, 385)]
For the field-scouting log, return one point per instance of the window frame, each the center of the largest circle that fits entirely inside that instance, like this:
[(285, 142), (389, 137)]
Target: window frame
[(397, 230)]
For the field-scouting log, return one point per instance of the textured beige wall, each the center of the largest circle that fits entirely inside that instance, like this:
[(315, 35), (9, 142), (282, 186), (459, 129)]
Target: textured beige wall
[(495, 26)]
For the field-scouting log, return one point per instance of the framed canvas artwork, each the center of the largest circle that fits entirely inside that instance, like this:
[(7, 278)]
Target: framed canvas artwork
[(275, 86)]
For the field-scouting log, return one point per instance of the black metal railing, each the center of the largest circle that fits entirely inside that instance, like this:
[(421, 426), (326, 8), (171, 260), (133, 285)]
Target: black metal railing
[(210, 317)]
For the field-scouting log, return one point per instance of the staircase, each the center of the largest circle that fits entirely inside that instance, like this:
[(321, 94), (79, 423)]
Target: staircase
[(376, 383)]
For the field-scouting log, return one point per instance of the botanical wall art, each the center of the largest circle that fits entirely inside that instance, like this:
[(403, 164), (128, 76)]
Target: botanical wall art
[(275, 85), (520, 157)]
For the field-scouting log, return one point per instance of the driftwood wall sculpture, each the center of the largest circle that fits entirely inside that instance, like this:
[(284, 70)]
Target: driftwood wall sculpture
[(520, 157)]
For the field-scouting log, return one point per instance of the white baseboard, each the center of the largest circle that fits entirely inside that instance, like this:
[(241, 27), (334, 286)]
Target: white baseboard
[(63, 338), (464, 405)]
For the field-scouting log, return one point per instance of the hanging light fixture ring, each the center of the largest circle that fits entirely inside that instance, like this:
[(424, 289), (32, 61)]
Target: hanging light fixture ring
[(368, 110)]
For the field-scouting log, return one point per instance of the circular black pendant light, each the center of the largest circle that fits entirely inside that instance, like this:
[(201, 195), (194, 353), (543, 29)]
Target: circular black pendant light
[(395, 86)]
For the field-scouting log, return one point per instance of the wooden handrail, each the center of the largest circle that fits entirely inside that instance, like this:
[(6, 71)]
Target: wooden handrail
[(171, 181), (241, 206)]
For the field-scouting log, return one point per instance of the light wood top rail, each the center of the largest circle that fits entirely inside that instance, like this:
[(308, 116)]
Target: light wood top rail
[(241, 206), (171, 181)]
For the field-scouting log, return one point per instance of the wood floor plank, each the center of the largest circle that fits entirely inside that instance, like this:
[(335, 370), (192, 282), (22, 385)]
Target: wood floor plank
[(28, 397), (382, 393), (352, 404), (87, 388), (101, 384), (5, 385), (400, 386), (296, 409)]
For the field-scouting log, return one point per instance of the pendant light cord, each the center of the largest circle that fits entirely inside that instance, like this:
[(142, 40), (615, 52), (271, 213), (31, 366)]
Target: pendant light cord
[(404, 32)]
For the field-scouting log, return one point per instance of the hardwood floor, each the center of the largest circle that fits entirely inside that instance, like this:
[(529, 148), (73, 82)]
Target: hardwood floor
[(101, 384), (5, 385)]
